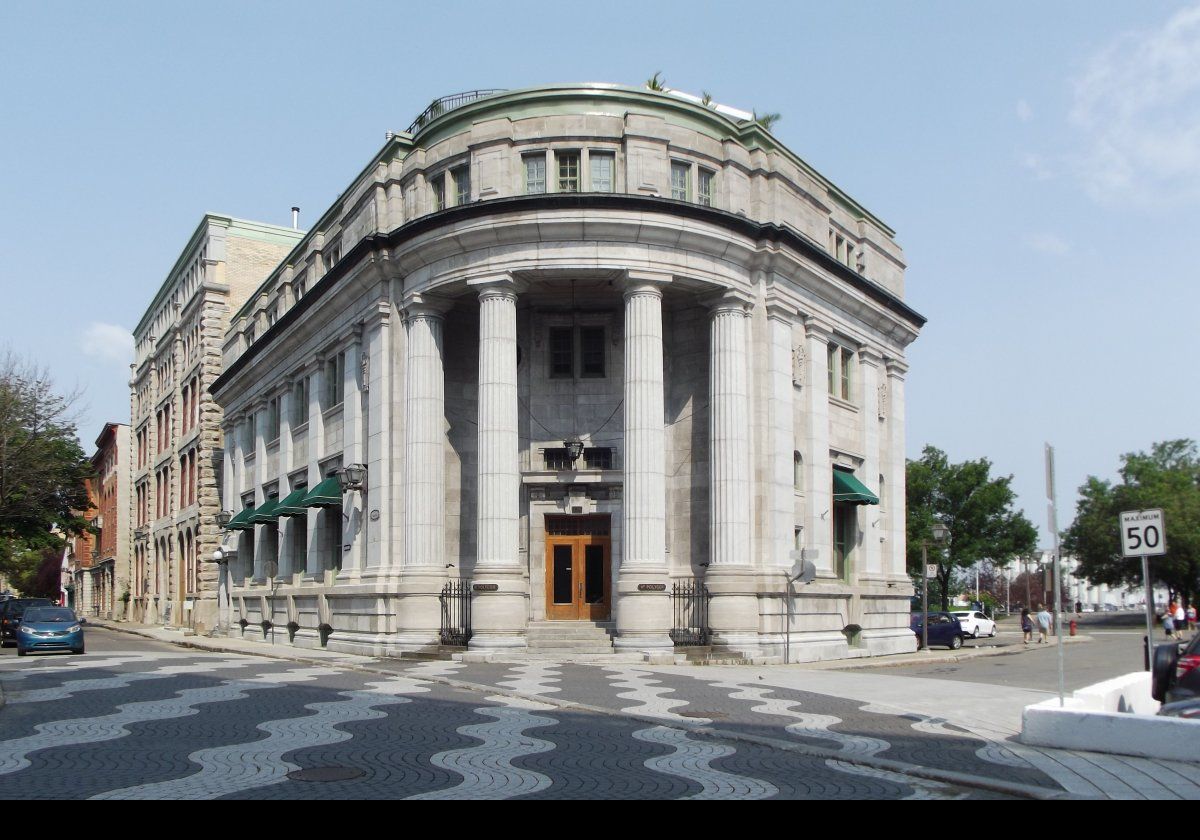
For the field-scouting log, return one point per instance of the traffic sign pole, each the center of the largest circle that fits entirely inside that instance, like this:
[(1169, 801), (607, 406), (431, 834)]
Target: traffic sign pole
[(1144, 534), (1149, 611)]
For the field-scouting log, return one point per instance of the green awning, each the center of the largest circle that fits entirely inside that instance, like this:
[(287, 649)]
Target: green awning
[(241, 522), (326, 494), (266, 515), (293, 504), (847, 488)]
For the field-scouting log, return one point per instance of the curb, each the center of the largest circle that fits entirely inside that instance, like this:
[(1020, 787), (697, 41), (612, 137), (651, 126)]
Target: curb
[(702, 730)]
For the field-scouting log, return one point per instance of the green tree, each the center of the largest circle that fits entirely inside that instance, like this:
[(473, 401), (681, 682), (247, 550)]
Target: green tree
[(43, 469), (1168, 477), (977, 508)]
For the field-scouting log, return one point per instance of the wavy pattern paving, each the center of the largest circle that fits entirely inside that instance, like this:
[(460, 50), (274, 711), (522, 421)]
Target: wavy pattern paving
[(434, 669), (691, 760), (487, 769), (807, 725), (534, 678), (239, 767), (649, 694), (23, 671), (991, 752), (69, 688), (922, 788)]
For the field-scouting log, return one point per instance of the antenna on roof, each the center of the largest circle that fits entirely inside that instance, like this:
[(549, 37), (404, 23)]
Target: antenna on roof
[(295, 218)]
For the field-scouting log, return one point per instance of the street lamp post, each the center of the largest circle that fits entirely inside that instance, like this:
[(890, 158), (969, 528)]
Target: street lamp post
[(940, 534)]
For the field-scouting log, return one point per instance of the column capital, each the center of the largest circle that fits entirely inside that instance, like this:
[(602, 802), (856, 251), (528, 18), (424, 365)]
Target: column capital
[(639, 282), (779, 311), (896, 368), (818, 329), (497, 285), (418, 305), (729, 301), (870, 356)]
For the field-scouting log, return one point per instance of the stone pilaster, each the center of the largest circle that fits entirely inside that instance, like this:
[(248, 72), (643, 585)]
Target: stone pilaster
[(781, 438), (354, 514), (499, 616), (818, 534), (423, 569), (730, 577), (379, 443), (285, 524), (643, 605), (870, 519), (314, 565), (896, 561)]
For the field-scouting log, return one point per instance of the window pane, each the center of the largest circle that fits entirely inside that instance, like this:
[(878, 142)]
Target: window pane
[(591, 341), (562, 575), (680, 176), (535, 174), (462, 185), (602, 164), (561, 351), (568, 171), (439, 192), (705, 179)]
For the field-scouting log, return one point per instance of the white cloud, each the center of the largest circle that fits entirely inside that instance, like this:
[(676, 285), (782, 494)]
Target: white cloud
[(108, 342), (1024, 111), (1037, 166), (1048, 243), (1137, 106)]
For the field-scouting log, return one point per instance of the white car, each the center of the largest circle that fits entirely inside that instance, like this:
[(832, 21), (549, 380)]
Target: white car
[(975, 624)]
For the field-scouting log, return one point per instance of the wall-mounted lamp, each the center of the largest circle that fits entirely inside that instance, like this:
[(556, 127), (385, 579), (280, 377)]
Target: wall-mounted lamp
[(352, 477), (224, 517), (574, 449)]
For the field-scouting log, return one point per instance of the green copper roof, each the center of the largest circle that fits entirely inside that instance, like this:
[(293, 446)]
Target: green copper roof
[(847, 488)]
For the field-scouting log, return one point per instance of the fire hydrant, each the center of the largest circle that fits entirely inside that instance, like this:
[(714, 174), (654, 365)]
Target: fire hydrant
[(1073, 627)]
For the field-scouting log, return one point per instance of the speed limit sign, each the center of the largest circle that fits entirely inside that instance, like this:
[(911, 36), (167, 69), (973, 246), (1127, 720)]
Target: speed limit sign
[(1143, 533)]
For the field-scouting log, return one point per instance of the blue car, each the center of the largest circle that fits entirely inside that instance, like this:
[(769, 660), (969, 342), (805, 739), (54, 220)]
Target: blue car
[(48, 629), (944, 629)]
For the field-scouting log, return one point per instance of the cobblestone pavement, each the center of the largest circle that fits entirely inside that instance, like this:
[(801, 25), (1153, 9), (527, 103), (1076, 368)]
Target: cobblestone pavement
[(137, 722)]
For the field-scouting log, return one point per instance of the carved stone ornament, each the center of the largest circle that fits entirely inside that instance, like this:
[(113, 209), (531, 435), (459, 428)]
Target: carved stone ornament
[(799, 357), (883, 400), (365, 365)]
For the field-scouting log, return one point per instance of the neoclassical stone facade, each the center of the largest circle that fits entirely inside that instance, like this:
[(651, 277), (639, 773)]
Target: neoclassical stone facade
[(588, 342)]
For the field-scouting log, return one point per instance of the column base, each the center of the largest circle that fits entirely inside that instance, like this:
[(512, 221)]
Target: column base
[(419, 608), (643, 611), (499, 610), (733, 610)]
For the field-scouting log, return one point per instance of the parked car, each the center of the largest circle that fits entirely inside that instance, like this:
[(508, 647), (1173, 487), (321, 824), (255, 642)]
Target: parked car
[(976, 624), (1186, 709), (48, 629), (10, 616), (1176, 673), (944, 629)]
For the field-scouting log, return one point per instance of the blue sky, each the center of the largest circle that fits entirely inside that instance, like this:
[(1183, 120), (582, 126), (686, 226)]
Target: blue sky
[(1040, 163)]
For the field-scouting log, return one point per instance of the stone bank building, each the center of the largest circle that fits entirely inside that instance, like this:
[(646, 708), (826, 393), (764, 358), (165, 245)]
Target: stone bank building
[(574, 349)]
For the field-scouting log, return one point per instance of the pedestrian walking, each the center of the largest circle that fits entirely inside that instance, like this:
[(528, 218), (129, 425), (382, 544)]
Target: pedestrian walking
[(1180, 620), (1191, 617), (1044, 621), (1168, 620), (1026, 626)]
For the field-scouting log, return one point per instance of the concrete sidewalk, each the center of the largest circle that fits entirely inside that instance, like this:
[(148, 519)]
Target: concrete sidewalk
[(986, 712)]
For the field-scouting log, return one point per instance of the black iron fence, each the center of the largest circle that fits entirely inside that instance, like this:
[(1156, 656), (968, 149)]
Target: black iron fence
[(456, 613), (448, 103), (690, 601)]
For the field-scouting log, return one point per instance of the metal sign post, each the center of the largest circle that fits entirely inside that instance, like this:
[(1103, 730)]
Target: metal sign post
[(1144, 534), (1053, 517)]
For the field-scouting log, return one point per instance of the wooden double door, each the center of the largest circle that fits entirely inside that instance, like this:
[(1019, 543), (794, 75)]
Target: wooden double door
[(578, 568)]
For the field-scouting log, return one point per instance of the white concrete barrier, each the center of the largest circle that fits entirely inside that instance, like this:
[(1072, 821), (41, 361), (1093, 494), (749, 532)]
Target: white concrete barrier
[(1115, 716)]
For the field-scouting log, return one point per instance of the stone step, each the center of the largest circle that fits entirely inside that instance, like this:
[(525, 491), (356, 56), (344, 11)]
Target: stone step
[(568, 644)]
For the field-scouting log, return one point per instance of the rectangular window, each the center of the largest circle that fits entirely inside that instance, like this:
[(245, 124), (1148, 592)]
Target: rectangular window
[(248, 436), (591, 345), (462, 185), (438, 185), (603, 165), (568, 171), (299, 540), (271, 431), (681, 176), (841, 364), (333, 538), (300, 402), (844, 537), (535, 174), (335, 371), (300, 285), (562, 352), (704, 185)]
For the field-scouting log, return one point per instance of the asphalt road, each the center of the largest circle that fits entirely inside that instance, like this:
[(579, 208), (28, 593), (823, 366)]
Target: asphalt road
[(1115, 648)]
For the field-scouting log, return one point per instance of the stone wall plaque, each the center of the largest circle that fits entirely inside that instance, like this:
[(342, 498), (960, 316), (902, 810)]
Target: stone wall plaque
[(652, 587), (486, 587)]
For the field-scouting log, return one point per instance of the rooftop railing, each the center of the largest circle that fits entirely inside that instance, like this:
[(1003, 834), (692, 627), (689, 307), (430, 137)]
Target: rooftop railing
[(448, 103)]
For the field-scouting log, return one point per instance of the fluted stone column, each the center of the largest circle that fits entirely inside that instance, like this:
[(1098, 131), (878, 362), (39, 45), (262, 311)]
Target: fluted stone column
[(818, 469), (499, 616), (730, 578), (643, 604), (896, 563), (423, 569)]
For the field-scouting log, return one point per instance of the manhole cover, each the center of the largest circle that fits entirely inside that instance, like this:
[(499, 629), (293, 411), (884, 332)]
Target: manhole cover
[(709, 715), (326, 774)]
